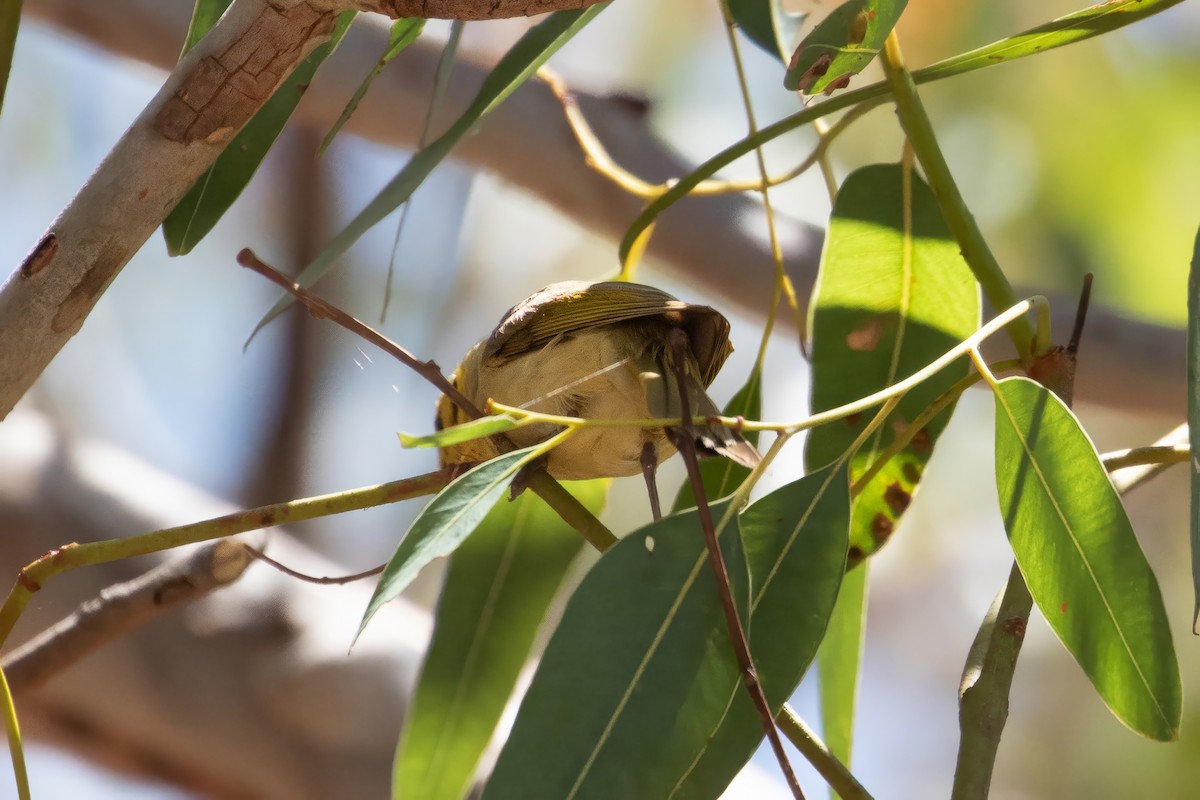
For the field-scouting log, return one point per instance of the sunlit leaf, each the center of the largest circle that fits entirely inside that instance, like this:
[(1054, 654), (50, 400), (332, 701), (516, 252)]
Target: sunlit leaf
[(404, 32), (842, 45), (637, 674), (721, 475), (517, 66), (1092, 21), (1079, 555), (457, 434), (795, 540), (1193, 382), (894, 293), (839, 663), (217, 189), (498, 586), (443, 524)]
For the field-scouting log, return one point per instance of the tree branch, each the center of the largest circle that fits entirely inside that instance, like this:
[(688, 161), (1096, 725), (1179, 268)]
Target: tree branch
[(215, 89), (248, 692), (122, 608)]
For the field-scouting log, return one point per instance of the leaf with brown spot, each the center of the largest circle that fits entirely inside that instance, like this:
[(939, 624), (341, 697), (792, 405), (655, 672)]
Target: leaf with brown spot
[(876, 269), (867, 335), (841, 45)]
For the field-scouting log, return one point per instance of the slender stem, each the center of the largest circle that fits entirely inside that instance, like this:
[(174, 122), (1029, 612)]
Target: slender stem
[(906, 436), (827, 765), (954, 209), (686, 443), (322, 309), (1145, 456), (599, 159), (72, 556), (326, 581), (16, 748), (573, 512), (782, 284)]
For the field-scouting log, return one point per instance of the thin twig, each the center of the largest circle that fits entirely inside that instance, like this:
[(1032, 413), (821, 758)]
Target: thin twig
[(600, 160), (827, 765), (344, 579), (33, 577), (321, 309), (686, 443), (1081, 310)]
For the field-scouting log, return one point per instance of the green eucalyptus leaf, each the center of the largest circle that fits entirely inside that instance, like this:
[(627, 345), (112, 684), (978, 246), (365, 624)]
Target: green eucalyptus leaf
[(637, 674), (842, 45), (443, 524), (795, 539), (1193, 380), (1081, 560), (894, 294), (839, 663), (499, 583), (404, 32), (457, 434)]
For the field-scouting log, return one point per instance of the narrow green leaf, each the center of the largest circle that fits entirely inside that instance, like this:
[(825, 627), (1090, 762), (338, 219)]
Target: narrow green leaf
[(1092, 21), (404, 32), (1193, 380), (498, 585), (216, 190), (637, 674), (204, 15), (839, 663), (769, 25), (894, 293), (795, 540), (720, 475), (457, 434), (443, 524), (1079, 555), (517, 66), (10, 22), (842, 45)]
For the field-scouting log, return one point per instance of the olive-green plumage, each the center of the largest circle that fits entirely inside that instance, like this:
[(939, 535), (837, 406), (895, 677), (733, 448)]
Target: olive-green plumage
[(597, 351)]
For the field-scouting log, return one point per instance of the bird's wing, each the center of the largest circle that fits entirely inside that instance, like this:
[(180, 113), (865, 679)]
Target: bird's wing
[(571, 306)]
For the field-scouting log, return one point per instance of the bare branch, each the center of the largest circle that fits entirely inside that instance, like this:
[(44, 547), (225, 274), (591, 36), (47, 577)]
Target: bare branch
[(248, 692), (122, 608)]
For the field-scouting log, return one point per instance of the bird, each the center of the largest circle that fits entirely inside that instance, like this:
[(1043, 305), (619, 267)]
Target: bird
[(598, 350)]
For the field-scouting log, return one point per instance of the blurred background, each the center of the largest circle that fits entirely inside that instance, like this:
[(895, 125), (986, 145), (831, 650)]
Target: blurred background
[(1081, 159)]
